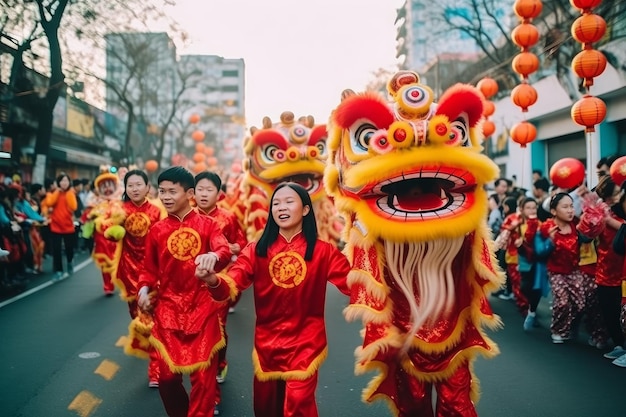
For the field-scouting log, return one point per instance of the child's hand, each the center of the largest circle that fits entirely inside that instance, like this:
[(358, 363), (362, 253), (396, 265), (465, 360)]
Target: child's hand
[(234, 248), (552, 231), (206, 261)]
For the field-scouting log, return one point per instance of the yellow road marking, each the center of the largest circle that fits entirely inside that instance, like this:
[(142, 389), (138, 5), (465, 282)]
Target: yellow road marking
[(122, 341), (84, 404), (107, 369)]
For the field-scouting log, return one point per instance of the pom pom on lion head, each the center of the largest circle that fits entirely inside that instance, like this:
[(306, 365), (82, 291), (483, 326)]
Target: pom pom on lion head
[(409, 170)]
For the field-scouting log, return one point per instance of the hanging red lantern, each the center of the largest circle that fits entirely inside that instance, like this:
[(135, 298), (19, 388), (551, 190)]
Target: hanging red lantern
[(209, 151), (525, 63), (235, 167), (567, 173), (151, 165), (588, 28), (525, 35), (198, 135), (587, 64), (199, 167), (524, 96), (488, 86), (488, 108), (523, 133), (618, 171), (194, 118), (212, 161), (488, 128), (588, 111), (585, 4), (200, 147), (527, 9), (198, 157)]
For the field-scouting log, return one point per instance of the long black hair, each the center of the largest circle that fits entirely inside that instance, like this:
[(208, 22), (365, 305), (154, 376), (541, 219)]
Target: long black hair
[(129, 174), (309, 225)]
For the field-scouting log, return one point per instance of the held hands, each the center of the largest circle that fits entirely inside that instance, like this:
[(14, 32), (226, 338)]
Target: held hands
[(143, 299), (206, 262)]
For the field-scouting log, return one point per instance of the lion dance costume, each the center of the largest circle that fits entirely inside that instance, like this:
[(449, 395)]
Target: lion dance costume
[(408, 178), (293, 151), (107, 217)]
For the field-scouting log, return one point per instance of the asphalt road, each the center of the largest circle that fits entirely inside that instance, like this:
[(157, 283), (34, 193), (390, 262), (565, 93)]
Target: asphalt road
[(62, 356)]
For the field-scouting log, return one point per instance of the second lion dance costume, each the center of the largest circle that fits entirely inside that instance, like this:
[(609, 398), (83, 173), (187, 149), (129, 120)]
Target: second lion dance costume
[(408, 178)]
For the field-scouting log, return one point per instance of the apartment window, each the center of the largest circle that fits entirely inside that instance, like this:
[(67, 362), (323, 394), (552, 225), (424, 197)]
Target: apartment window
[(230, 88), (230, 73)]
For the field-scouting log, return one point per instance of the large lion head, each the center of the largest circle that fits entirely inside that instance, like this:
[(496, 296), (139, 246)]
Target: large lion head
[(289, 150), (409, 170)]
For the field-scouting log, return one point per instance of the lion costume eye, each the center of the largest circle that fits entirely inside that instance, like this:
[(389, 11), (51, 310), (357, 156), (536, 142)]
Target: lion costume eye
[(459, 133), (321, 147), (269, 153), (361, 139)]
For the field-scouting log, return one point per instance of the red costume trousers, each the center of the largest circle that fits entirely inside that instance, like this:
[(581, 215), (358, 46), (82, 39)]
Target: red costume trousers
[(199, 403), (153, 364), (453, 396), (292, 398)]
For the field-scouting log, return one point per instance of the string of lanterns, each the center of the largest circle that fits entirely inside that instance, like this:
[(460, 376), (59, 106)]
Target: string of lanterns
[(525, 35), (588, 63), (489, 88), (203, 158)]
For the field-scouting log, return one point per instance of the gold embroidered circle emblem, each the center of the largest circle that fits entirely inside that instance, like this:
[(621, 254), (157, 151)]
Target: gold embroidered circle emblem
[(184, 244), (287, 269), (137, 224)]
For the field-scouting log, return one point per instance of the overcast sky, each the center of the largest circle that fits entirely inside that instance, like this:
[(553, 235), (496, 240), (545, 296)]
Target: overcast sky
[(299, 54)]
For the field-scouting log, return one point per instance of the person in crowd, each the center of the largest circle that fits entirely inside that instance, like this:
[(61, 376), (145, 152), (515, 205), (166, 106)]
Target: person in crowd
[(28, 218), (50, 187), (507, 240), (537, 175), (566, 280), (37, 192), (531, 263), (186, 331), (619, 246), (289, 268), (609, 272), (604, 165), (61, 204), (495, 220), (541, 193), (12, 272), (140, 216), (208, 189)]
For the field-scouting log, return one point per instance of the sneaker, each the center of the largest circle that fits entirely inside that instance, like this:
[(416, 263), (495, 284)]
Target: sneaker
[(216, 410), (598, 344), (221, 375), (557, 340), (70, 269), (4, 252), (231, 310), (615, 353), (506, 296), (529, 322), (621, 361), (153, 384), (109, 293), (58, 276)]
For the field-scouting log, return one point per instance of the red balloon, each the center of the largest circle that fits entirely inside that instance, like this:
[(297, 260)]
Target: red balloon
[(567, 173), (618, 171)]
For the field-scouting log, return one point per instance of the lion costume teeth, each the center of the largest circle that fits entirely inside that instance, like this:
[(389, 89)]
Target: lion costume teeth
[(408, 177)]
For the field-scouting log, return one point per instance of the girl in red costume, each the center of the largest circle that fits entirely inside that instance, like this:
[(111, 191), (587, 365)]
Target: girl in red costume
[(207, 192), (141, 214), (186, 330), (566, 280), (289, 267), (609, 272)]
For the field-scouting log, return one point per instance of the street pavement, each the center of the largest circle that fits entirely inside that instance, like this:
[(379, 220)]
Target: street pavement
[(62, 356)]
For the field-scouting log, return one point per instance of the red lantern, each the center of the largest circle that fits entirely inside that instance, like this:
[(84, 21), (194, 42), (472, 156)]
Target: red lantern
[(588, 111), (585, 4), (618, 171), (198, 157), (199, 167), (527, 9), (525, 35), (209, 151), (587, 64), (567, 173), (523, 133), (525, 63), (235, 167), (588, 28), (151, 165), (488, 108), (524, 96), (488, 128), (212, 161), (488, 86), (194, 118), (200, 147), (198, 135)]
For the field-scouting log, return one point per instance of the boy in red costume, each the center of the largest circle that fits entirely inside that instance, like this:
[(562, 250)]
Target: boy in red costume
[(186, 330), (207, 191)]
